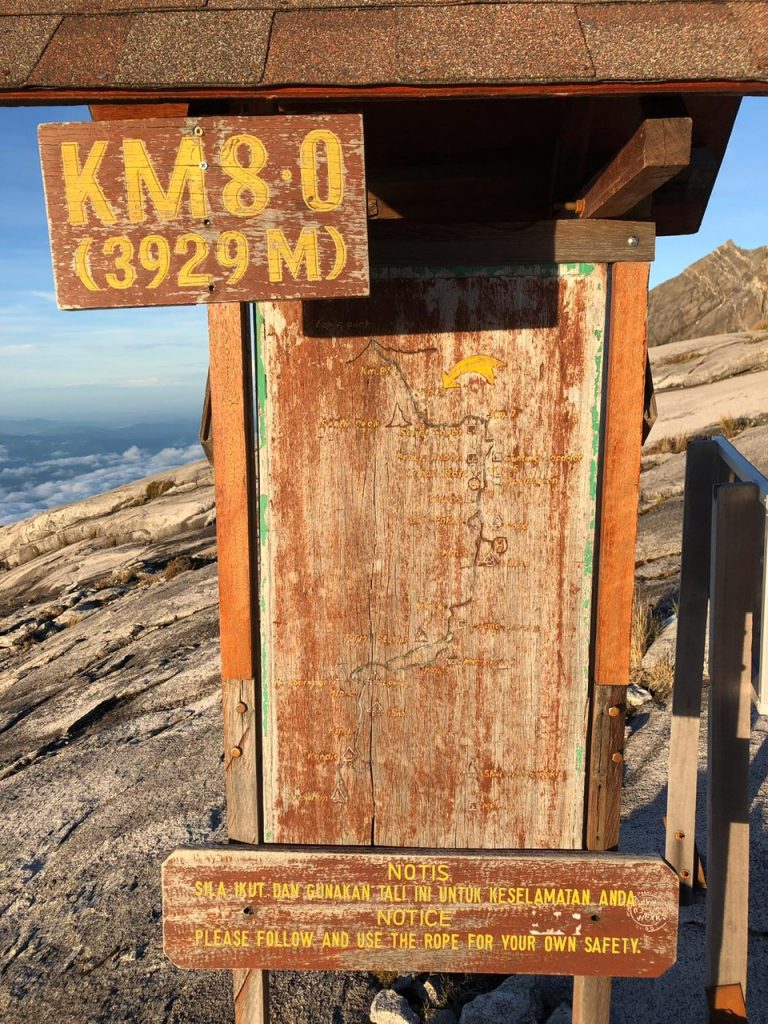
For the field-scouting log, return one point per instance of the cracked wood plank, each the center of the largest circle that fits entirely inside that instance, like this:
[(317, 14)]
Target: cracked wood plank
[(428, 459)]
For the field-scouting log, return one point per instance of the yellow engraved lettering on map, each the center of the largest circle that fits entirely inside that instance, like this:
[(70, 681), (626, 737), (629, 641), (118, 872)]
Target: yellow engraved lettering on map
[(310, 166), (82, 265), (417, 872), (440, 940), (155, 254), (140, 174), (274, 939), (414, 916), (285, 891), (341, 253), (80, 184), (245, 182), (403, 940), (484, 365), (245, 889), (369, 940), (279, 251), (480, 940), (335, 940)]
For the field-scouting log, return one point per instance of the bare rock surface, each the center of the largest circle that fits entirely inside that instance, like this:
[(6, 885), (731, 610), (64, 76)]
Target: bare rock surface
[(110, 757), (725, 291)]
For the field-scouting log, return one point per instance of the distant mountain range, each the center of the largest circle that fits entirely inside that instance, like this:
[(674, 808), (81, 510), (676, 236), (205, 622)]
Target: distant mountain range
[(723, 292)]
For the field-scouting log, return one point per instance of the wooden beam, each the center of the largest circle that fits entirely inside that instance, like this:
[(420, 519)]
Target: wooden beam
[(627, 348), (231, 386), (403, 243), (736, 535), (659, 149), (703, 469), (136, 111), (591, 1000)]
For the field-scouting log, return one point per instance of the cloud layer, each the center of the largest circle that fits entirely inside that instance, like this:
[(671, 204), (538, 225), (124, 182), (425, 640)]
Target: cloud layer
[(72, 478)]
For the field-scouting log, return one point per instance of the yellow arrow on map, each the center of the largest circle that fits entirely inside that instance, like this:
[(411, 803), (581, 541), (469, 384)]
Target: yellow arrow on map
[(484, 365)]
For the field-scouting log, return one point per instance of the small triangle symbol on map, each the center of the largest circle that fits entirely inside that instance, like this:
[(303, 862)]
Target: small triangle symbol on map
[(340, 794), (472, 770), (377, 709), (497, 522), (349, 755), (421, 636), (398, 418)]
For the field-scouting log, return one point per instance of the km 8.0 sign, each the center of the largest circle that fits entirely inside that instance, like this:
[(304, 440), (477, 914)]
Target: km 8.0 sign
[(172, 212)]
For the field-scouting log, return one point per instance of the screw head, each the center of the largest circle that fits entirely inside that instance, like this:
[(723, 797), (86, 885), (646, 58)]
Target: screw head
[(241, 708), (197, 130), (617, 758), (203, 165), (633, 241), (614, 711), (685, 874), (679, 835), (235, 751)]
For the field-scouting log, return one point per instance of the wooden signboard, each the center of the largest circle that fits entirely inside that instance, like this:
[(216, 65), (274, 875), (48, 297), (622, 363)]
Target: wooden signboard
[(178, 211), (428, 474), (395, 910)]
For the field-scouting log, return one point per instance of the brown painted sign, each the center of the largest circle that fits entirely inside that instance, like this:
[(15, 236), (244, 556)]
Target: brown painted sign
[(527, 913), (178, 211)]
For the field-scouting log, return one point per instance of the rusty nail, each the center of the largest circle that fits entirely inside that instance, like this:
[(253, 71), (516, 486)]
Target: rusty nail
[(235, 751), (614, 711), (617, 758), (633, 241), (685, 874), (241, 708), (679, 835)]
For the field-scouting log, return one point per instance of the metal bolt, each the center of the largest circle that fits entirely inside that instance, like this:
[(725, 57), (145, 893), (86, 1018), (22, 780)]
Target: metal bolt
[(241, 708), (633, 241), (679, 835), (203, 165), (614, 711), (617, 758), (685, 874), (235, 751), (197, 130)]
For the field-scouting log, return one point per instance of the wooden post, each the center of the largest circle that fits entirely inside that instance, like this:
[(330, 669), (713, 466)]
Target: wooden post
[(703, 469), (231, 381), (736, 539), (627, 347)]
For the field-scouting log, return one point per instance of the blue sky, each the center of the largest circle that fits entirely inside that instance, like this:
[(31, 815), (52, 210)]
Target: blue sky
[(127, 366)]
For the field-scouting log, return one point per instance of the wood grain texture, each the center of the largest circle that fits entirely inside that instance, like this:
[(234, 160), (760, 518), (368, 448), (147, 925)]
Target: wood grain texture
[(737, 520), (659, 149), (416, 910), (231, 410), (171, 211), (591, 1000), (606, 767), (402, 243), (426, 558), (627, 347), (703, 470), (136, 111)]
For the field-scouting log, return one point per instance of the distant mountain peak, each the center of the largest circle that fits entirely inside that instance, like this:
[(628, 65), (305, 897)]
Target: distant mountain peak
[(725, 291)]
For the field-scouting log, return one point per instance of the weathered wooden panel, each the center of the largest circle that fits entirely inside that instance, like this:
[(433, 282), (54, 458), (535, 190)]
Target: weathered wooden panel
[(428, 472), (175, 211), (415, 911)]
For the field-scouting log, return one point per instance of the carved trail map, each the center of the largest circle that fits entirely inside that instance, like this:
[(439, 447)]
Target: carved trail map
[(427, 525)]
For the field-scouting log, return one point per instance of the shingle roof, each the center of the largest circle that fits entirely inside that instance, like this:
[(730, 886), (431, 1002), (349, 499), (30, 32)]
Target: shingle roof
[(201, 44)]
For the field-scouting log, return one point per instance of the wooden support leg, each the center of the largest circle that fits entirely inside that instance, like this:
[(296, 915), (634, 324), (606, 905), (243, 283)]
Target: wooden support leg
[(627, 348), (237, 537), (702, 469), (736, 538), (591, 1000)]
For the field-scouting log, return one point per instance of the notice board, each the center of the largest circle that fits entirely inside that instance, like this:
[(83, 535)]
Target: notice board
[(428, 474)]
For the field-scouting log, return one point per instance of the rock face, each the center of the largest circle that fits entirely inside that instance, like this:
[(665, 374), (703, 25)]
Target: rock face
[(110, 757), (725, 291)]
